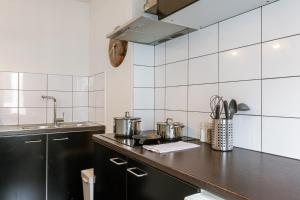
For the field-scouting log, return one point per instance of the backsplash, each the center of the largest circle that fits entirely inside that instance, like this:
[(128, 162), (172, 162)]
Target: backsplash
[(252, 58), (21, 102)]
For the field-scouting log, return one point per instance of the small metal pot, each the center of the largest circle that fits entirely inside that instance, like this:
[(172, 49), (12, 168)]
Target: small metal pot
[(127, 126), (170, 130)]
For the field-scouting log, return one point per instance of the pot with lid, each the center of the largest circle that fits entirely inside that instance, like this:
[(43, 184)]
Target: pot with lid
[(127, 126), (170, 130)]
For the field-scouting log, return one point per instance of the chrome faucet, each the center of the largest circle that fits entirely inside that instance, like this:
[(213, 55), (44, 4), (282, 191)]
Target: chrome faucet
[(55, 119)]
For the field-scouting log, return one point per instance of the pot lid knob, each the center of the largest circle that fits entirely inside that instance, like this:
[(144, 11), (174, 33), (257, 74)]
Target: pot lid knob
[(169, 121), (127, 115)]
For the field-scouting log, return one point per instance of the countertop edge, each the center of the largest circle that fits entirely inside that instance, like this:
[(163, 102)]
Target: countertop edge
[(178, 174)]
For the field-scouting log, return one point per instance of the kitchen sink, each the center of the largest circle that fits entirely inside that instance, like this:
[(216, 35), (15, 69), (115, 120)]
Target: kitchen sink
[(60, 125)]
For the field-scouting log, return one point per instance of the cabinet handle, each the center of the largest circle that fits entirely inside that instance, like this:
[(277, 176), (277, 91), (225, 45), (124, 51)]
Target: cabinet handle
[(114, 160), (33, 141), (130, 170), (61, 139)]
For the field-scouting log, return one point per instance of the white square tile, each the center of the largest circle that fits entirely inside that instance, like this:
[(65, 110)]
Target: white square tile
[(92, 99), (64, 99), (247, 132), (80, 99), (241, 64), (178, 116), (280, 97), (100, 100), (32, 99), (160, 94), (196, 119), (203, 69), (242, 30), (199, 97), (81, 114), (279, 19), (100, 81), (147, 117), (160, 116), (32, 115), (8, 80), (176, 98), (204, 41), (100, 117), (80, 83), (8, 116), (281, 58), (143, 55), (60, 82), (9, 98), (248, 92), (160, 76), (280, 136), (143, 76), (92, 114), (92, 84), (143, 98), (29, 81), (65, 113), (177, 49), (177, 73), (160, 54)]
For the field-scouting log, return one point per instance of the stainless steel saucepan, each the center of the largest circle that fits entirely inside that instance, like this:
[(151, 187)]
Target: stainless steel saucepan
[(127, 126), (170, 130)]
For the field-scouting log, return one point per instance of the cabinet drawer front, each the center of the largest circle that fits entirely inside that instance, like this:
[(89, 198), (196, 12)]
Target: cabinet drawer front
[(149, 183)]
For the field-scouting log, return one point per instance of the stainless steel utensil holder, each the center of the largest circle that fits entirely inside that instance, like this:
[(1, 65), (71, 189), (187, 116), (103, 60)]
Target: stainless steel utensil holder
[(222, 135)]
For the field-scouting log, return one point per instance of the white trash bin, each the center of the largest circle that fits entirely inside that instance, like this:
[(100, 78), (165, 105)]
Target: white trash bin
[(88, 180)]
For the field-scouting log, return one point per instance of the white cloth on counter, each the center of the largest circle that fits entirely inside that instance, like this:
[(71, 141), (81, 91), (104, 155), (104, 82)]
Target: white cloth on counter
[(170, 147), (204, 195)]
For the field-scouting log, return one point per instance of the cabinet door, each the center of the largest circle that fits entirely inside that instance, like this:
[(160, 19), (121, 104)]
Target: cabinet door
[(147, 183), (110, 171), (23, 168), (68, 154)]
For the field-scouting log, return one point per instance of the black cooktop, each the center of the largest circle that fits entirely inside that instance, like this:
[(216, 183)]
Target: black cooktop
[(130, 142)]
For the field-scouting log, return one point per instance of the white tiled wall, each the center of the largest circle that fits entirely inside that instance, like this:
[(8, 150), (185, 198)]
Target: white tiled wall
[(252, 57), (96, 98), (21, 102)]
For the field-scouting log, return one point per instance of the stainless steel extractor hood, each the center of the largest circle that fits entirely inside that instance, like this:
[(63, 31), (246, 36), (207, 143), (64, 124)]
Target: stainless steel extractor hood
[(147, 29)]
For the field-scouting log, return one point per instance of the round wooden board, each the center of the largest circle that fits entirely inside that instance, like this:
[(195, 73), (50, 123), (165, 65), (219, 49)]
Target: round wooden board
[(117, 52)]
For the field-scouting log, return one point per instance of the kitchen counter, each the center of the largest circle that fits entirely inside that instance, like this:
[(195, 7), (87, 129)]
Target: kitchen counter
[(240, 174), (16, 130)]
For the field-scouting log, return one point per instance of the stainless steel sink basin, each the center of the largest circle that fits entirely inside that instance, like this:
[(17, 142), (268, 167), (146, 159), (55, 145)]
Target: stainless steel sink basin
[(60, 125)]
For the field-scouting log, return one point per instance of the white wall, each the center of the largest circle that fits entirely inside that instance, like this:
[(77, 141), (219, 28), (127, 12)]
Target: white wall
[(105, 16), (44, 36), (253, 57)]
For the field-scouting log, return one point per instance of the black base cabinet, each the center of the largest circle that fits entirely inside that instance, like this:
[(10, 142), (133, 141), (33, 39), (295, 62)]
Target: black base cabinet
[(110, 172), (23, 168), (121, 178), (68, 154), (33, 166)]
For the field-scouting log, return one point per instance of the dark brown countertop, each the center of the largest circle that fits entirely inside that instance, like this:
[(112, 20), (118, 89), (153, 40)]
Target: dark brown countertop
[(240, 174)]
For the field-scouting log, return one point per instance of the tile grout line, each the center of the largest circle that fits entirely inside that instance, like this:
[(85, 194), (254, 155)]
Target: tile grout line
[(261, 76), (187, 92), (18, 98)]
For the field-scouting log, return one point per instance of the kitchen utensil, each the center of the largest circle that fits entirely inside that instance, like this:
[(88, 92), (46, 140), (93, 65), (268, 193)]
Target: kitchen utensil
[(243, 107), (216, 106), (233, 108), (226, 109), (127, 126), (222, 135), (170, 130), (146, 137)]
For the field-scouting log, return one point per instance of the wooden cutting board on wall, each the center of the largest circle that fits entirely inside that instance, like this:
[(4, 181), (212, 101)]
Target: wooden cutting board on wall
[(117, 52)]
